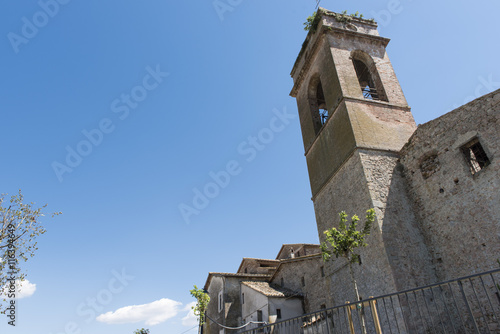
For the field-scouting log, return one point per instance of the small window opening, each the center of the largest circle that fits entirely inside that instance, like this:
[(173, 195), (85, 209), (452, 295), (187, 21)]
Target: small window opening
[(322, 271), (259, 315), (220, 300), (475, 155), (282, 282), (278, 313), (323, 306), (365, 80), (303, 281), (320, 98), (246, 270), (243, 298)]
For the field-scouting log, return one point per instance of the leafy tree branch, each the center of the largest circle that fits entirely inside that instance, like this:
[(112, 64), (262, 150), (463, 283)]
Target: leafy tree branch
[(202, 300), (141, 331), (344, 240), (20, 225)]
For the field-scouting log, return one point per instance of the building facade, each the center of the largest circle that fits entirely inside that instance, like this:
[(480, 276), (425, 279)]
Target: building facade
[(267, 302), (435, 188), (266, 290)]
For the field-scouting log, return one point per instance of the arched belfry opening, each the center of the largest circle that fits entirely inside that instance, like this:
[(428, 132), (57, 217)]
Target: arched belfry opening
[(320, 97), (368, 77), (365, 80), (319, 111)]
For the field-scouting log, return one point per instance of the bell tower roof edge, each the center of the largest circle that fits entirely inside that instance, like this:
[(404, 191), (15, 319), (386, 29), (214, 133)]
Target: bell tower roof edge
[(340, 26)]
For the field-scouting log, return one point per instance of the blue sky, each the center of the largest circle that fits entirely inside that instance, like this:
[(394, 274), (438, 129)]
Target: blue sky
[(162, 98)]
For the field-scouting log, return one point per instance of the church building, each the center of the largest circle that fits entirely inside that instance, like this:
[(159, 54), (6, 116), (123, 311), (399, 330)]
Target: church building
[(435, 188)]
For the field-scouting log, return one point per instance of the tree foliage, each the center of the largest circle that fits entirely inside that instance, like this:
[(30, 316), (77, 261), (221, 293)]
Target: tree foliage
[(310, 22), (344, 240), (19, 229), (202, 300), (141, 331)]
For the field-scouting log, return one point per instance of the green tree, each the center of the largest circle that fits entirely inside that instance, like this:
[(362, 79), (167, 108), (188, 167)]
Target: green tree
[(19, 229), (141, 331), (310, 22), (202, 300), (344, 240)]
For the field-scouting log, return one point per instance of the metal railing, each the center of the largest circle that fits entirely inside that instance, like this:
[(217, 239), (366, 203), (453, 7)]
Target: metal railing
[(466, 305), (370, 93)]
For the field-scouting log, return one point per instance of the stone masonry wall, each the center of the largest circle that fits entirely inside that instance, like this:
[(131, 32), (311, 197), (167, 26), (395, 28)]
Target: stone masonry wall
[(460, 212), (402, 237), (348, 191), (257, 266), (216, 285), (232, 301), (309, 267)]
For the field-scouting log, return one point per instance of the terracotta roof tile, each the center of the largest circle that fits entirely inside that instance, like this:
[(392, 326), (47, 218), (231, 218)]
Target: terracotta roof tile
[(271, 290)]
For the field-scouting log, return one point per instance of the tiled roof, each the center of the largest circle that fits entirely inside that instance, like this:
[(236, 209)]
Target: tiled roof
[(271, 290), (257, 276), (295, 245), (260, 260), (267, 261), (240, 274), (294, 260)]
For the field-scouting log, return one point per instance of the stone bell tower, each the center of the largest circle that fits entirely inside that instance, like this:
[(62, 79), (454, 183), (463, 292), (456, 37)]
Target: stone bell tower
[(355, 120)]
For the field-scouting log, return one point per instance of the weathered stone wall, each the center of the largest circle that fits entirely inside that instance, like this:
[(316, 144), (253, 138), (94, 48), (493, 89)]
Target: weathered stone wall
[(216, 285), (290, 307), (309, 267), (230, 315), (286, 251), (298, 250), (257, 266), (402, 237), (459, 212), (310, 250), (333, 145), (232, 301), (254, 301), (348, 191), (342, 46), (322, 68)]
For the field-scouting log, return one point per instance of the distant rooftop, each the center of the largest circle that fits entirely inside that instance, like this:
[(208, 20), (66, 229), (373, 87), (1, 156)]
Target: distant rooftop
[(271, 290), (296, 247), (212, 274)]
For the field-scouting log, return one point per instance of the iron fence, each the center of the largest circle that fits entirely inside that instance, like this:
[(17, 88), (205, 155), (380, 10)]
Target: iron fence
[(466, 305)]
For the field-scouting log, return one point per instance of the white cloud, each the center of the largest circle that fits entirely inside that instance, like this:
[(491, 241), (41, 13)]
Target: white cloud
[(24, 289), (190, 319), (152, 313)]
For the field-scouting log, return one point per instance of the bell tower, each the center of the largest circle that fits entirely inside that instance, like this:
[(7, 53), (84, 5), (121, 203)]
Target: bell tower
[(355, 119)]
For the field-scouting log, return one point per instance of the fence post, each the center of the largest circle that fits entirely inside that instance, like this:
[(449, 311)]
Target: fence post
[(326, 322), (376, 321), (349, 315), (468, 306)]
